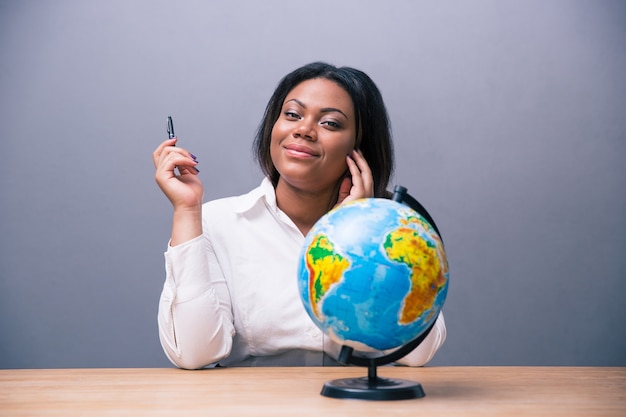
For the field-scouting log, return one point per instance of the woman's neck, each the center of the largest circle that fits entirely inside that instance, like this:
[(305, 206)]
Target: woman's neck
[(303, 208)]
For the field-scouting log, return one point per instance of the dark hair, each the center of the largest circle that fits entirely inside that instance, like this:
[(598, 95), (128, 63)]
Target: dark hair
[(373, 130)]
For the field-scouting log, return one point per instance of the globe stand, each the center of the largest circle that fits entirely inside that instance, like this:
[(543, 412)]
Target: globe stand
[(373, 387)]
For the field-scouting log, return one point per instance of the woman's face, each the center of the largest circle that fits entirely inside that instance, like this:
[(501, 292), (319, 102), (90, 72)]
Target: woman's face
[(313, 134)]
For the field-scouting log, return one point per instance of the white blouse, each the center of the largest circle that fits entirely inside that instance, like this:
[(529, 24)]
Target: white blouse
[(231, 295)]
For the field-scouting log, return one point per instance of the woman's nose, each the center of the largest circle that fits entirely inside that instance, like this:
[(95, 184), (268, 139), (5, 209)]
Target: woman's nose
[(305, 130)]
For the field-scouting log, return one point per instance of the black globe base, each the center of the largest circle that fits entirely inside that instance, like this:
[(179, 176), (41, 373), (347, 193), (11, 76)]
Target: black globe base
[(379, 389), (372, 387)]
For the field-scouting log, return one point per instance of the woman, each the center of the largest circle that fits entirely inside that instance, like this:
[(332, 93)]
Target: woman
[(230, 295)]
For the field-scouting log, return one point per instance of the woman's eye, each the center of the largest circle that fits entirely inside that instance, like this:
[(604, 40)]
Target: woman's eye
[(292, 115), (331, 123)]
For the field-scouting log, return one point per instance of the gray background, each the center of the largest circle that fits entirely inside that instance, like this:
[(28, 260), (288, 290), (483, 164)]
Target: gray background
[(509, 124)]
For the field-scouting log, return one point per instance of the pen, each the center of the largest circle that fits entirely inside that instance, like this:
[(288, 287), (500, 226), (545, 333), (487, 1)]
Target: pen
[(172, 135), (170, 127)]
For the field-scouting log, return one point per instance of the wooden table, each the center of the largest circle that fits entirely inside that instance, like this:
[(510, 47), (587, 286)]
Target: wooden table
[(295, 392)]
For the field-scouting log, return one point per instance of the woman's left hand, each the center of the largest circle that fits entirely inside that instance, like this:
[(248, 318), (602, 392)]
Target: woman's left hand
[(361, 185)]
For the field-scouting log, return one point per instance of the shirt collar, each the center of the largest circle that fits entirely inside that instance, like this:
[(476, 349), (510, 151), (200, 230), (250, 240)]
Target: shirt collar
[(264, 192)]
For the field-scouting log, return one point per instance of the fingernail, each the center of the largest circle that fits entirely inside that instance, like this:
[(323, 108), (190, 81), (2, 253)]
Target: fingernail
[(197, 170), (193, 156)]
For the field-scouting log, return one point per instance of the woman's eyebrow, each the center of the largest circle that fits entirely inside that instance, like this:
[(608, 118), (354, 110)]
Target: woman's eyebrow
[(323, 110)]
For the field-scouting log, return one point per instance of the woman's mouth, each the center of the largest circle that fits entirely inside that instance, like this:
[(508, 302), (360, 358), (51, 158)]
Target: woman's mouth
[(300, 151)]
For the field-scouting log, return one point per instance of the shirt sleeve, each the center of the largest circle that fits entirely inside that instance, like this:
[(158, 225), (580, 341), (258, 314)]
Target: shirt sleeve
[(425, 351), (195, 316)]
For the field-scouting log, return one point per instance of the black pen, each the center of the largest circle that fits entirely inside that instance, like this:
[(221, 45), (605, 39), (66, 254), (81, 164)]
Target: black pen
[(170, 127), (170, 133)]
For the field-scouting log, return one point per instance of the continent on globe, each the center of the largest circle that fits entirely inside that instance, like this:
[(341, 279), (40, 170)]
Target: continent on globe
[(427, 277), (325, 266)]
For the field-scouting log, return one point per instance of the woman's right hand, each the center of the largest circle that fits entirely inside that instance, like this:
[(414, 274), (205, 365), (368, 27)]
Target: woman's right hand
[(184, 190)]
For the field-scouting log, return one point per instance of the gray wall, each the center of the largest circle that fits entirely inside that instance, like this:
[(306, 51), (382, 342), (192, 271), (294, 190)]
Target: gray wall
[(509, 123)]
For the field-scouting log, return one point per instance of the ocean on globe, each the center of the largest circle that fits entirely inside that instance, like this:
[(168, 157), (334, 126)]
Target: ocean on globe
[(373, 274)]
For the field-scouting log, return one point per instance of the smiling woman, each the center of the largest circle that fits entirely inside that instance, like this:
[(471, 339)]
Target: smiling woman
[(311, 144), (230, 296)]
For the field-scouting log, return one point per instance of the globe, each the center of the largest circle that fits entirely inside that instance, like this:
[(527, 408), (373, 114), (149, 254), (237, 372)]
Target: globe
[(373, 274)]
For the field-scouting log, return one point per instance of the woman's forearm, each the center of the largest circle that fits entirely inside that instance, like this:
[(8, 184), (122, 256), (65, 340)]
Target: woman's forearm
[(186, 225)]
